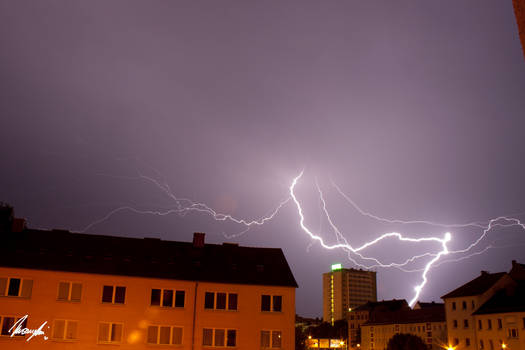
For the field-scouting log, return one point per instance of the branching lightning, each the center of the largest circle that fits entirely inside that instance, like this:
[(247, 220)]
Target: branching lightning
[(355, 254)]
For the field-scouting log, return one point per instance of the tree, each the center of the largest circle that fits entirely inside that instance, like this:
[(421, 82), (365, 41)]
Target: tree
[(406, 342)]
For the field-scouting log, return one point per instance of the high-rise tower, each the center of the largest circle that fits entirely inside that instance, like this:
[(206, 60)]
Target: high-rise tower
[(344, 289)]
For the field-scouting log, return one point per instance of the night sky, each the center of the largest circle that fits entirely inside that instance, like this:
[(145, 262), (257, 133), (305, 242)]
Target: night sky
[(415, 109)]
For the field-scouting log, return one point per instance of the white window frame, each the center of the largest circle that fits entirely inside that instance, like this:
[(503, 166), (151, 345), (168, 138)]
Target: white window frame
[(66, 326), (174, 297), (113, 294), (171, 327), (225, 337), (227, 306), (4, 293), (271, 331), (110, 333), (70, 291), (271, 302), (2, 318)]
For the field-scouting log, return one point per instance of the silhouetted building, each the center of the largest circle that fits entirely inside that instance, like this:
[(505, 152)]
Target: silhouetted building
[(428, 323), (345, 289), (362, 314), (139, 293)]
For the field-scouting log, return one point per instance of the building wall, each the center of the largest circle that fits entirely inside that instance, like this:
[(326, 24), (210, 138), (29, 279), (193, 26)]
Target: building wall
[(511, 332), (462, 335), (376, 337), (137, 313)]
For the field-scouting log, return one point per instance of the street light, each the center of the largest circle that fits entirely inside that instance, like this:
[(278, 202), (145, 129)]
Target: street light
[(503, 346)]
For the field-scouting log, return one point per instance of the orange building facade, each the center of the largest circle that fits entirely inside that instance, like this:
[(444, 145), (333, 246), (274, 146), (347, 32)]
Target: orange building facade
[(141, 308)]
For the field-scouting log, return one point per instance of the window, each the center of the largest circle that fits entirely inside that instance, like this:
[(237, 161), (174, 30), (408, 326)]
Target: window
[(500, 324), (523, 319), (455, 323), (16, 287), (167, 297), (491, 343), (271, 339), (65, 330), (456, 341), (219, 337), (109, 332), (512, 333), (489, 324), (480, 325), (467, 341), (113, 294), (465, 323), (272, 303), (7, 322), (164, 335), (481, 345), (453, 305), (473, 304), (220, 301), (464, 305), (69, 291)]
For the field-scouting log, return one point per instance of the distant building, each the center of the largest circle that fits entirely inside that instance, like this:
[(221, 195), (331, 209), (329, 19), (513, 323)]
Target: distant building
[(362, 314), (345, 289), (488, 312), (94, 291), (519, 10), (428, 323)]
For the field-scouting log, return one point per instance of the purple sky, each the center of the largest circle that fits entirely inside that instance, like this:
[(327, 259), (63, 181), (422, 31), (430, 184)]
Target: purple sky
[(416, 109)]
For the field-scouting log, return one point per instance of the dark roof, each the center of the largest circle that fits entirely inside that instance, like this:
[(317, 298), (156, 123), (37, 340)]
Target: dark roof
[(423, 305), (477, 286), (509, 299), (59, 250), (385, 305), (433, 314)]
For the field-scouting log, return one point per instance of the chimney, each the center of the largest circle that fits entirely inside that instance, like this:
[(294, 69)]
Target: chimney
[(18, 225), (484, 273), (198, 240)]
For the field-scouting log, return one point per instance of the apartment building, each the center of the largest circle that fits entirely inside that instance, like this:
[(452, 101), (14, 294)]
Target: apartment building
[(362, 314), (345, 289), (488, 312), (102, 292), (428, 323)]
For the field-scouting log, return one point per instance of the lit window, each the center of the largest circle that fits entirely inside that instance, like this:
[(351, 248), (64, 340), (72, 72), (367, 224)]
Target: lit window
[(167, 298), (16, 287), (109, 332), (69, 291), (113, 294), (220, 301), (271, 303), (65, 330), (219, 337), (165, 335)]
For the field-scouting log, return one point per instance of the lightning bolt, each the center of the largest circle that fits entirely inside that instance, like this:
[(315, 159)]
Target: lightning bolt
[(186, 205)]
